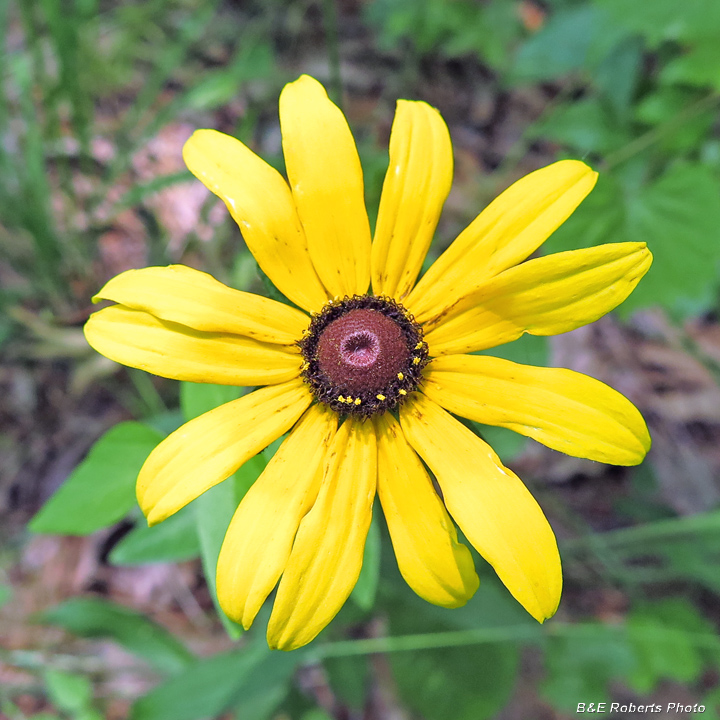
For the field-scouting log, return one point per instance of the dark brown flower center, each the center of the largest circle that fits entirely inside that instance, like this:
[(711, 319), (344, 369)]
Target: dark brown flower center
[(363, 355), (362, 350)]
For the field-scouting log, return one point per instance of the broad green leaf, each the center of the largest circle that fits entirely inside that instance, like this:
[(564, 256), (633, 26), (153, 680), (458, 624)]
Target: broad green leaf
[(575, 39), (267, 684), (215, 508), (213, 512), (166, 422), (583, 125), (666, 639), (698, 65), (618, 75), (68, 691), (363, 593), (506, 443), (662, 654), (581, 665), (678, 215), (254, 60), (667, 106), (101, 490), (349, 679), (205, 689), (211, 686), (528, 350), (471, 682), (661, 20), (199, 398), (560, 47), (679, 218), (664, 103), (92, 617), (172, 540)]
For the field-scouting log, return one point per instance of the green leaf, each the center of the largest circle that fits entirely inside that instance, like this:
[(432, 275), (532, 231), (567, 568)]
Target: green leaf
[(363, 594), (211, 686), (254, 60), (69, 692), (664, 103), (91, 617), (667, 106), (213, 512), (472, 682), (349, 679), (699, 66), (679, 218), (267, 685), (666, 639), (172, 540), (618, 75), (575, 39), (583, 125), (506, 443), (663, 655), (661, 20), (215, 508), (580, 665), (205, 689), (560, 47), (678, 215), (528, 350), (681, 548), (199, 398), (101, 490)]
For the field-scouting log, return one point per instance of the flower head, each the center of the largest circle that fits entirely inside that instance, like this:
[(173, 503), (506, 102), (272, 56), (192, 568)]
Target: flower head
[(367, 374)]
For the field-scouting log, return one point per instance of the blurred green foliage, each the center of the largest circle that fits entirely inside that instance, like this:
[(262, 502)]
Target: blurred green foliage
[(632, 88)]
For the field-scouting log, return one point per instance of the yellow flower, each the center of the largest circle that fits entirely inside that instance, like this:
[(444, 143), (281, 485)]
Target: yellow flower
[(365, 383)]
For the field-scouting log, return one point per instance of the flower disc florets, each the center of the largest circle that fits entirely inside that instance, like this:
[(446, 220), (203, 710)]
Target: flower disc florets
[(363, 355)]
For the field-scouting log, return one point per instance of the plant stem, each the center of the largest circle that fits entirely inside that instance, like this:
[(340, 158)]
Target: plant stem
[(512, 633), (657, 133), (655, 531), (147, 392)]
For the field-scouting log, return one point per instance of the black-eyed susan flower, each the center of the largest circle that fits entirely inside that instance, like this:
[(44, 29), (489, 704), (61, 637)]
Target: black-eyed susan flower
[(367, 370)]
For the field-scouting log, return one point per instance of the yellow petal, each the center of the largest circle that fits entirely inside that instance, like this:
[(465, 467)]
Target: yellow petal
[(327, 184), (260, 537), (210, 448), (326, 558), (565, 410), (544, 296), (509, 230), (490, 504), (416, 185), (189, 297), (432, 561), (140, 340), (261, 203)]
